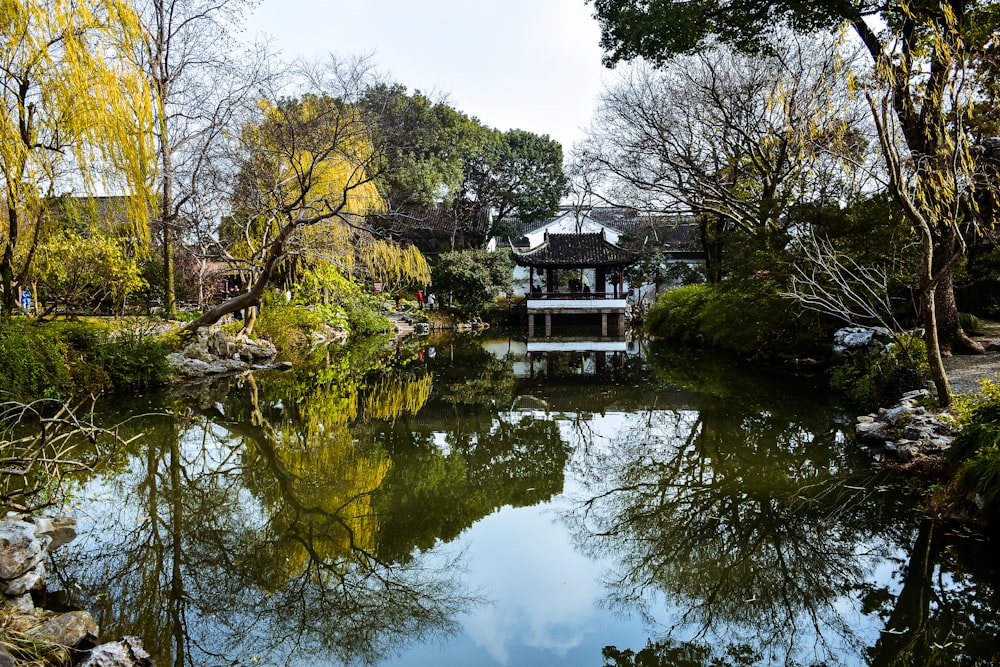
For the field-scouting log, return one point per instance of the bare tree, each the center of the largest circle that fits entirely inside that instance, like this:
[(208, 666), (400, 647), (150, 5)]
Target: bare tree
[(43, 443), (831, 282), (202, 81), (729, 138)]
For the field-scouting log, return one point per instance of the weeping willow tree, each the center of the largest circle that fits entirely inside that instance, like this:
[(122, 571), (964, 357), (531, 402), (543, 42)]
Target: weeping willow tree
[(304, 192), (68, 101)]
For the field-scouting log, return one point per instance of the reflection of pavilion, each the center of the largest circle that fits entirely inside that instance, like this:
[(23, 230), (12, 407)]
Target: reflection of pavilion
[(582, 274), (598, 359), (578, 345)]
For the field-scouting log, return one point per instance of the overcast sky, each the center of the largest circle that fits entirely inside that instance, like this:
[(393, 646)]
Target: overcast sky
[(526, 64)]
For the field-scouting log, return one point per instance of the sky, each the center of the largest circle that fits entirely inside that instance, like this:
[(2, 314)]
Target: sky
[(514, 64)]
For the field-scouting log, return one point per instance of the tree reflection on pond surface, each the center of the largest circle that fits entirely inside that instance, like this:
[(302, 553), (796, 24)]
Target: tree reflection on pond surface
[(459, 501)]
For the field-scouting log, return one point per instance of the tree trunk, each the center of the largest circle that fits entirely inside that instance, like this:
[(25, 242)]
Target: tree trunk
[(951, 337), (7, 262), (169, 293), (253, 296), (907, 624), (712, 233), (932, 343)]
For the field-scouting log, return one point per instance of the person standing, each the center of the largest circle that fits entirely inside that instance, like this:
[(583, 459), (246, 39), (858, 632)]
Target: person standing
[(420, 299), (399, 297), (431, 299)]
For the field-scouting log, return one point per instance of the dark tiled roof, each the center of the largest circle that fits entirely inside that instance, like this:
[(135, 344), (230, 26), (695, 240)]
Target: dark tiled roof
[(575, 251)]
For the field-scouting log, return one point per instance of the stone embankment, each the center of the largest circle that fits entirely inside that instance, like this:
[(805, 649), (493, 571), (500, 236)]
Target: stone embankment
[(211, 353), (32, 635), (909, 431)]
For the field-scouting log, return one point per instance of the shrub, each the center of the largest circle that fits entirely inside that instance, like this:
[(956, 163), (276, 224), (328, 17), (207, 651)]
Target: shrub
[(976, 450), (287, 324), (981, 476), (134, 358), (34, 361), (752, 319), (676, 315), (970, 323), (60, 359), (748, 317), (874, 379), (363, 317)]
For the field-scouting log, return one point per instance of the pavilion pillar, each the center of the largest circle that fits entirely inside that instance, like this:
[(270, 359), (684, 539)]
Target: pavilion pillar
[(548, 324), (604, 324)]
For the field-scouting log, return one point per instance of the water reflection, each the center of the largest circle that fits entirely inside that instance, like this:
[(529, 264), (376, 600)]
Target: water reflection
[(641, 506)]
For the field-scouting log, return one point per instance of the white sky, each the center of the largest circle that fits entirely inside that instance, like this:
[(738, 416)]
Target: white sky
[(527, 64)]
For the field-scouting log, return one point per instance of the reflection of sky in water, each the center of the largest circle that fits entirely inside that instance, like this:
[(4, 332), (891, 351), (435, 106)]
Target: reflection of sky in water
[(545, 599), (544, 592)]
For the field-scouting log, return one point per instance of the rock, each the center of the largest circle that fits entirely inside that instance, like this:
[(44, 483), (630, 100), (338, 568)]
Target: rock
[(32, 580), (74, 629), (916, 394), (850, 340), (127, 652), (218, 345), (62, 529), (6, 660), (251, 350), (906, 451), (20, 548), (872, 432), (898, 414), (21, 604)]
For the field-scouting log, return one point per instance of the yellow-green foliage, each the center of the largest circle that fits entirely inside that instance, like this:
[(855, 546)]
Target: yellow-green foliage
[(393, 397), (395, 266), (287, 324), (92, 269), (69, 100)]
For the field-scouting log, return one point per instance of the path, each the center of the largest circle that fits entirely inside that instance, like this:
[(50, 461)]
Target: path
[(966, 370)]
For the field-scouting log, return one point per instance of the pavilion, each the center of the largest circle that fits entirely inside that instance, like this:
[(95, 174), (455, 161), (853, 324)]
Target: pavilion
[(576, 274)]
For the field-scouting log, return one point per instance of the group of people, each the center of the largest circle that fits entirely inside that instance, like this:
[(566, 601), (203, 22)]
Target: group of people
[(431, 300)]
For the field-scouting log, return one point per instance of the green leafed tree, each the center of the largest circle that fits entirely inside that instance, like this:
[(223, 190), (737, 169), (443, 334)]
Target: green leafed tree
[(423, 143), (473, 278), (515, 173)]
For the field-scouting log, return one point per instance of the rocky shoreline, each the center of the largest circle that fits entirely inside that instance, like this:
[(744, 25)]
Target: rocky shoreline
[(908, 430), (31, 632)]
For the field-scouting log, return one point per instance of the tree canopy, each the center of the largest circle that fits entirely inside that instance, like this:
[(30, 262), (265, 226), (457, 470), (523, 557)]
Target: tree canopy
[(517, 172), (72, 110)]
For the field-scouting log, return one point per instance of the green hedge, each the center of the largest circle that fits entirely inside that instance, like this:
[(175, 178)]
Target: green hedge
[(748, 317), (64, 359)]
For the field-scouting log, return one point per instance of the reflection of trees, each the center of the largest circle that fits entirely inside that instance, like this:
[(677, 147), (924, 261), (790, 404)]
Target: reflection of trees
[(432, 495), (737, 515), (251, 533), (942, 609), (670, 653)]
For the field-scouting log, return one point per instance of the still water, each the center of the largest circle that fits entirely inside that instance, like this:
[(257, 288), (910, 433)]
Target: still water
[(476, 501)]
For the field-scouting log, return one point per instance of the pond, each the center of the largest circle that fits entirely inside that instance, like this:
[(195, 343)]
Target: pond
[(483, 501)]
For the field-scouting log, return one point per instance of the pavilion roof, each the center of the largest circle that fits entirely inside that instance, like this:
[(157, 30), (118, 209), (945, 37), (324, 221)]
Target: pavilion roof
[(575, 251)]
